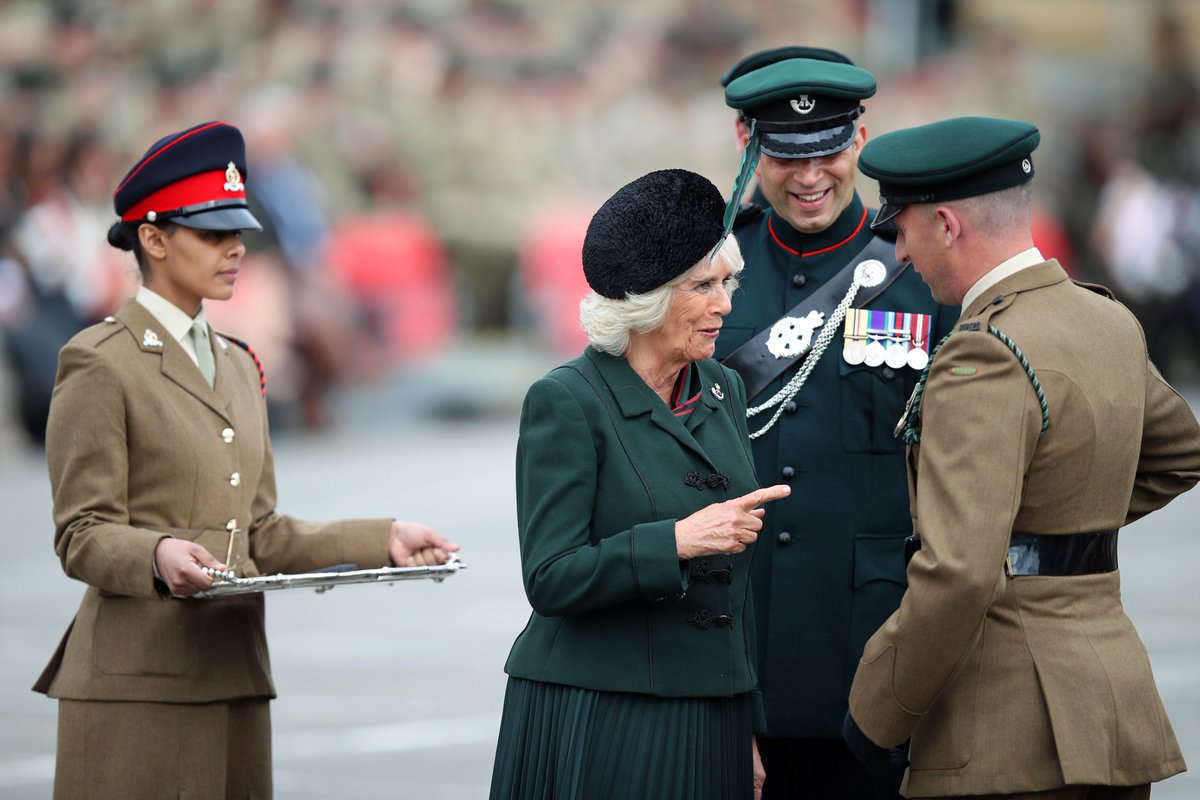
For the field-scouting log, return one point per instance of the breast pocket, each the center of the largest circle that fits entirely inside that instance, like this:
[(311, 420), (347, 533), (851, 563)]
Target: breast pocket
[(871, 402)]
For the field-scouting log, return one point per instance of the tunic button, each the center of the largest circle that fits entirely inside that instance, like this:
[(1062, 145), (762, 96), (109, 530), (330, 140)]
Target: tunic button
[(889, 373), (799, 280), (784, 538), (789, 472), (227, 435), (790, 407), (235, 479)]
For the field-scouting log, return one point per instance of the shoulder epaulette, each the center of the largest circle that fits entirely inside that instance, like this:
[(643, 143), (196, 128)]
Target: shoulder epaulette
[(95, 334), (1097, 288), (748, 212), (262, 376)]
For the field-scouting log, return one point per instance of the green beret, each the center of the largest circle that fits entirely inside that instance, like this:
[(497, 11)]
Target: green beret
[(948, 160), (764, 57), (802, 107)]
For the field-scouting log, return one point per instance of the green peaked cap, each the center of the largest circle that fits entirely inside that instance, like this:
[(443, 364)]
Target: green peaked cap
[(787, 79), (796, 108), (948, 160), (764, 57)]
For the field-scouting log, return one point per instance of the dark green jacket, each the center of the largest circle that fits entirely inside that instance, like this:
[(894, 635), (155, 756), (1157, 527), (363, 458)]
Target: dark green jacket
[(601, 469), (829, 567)]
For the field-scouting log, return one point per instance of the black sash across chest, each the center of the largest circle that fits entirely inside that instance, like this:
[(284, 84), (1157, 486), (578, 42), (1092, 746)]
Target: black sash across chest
[(753, 361)]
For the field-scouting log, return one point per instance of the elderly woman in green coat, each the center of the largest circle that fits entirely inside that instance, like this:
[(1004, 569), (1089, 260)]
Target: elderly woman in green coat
[(638, 509)]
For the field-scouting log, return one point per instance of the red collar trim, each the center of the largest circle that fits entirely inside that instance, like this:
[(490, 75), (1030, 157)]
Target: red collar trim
[(795, 252), (679, 406)]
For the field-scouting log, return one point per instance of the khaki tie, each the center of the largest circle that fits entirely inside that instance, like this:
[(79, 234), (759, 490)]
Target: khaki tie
[(204, 354)]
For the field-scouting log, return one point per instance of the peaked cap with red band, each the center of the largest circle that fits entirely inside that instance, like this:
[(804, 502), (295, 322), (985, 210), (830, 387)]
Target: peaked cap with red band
[(193, 178)]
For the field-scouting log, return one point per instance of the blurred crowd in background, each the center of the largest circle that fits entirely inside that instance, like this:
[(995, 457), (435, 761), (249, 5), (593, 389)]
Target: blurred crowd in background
[(425, 169)]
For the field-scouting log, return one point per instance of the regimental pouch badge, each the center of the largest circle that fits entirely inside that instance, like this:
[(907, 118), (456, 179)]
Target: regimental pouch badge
[(893, 338), (792, 336), (150, 339)]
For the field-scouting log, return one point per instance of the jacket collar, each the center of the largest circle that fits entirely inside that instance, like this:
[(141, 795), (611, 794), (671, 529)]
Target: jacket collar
[(1038, 276), (844, 230), (155, 342), (634, 398)]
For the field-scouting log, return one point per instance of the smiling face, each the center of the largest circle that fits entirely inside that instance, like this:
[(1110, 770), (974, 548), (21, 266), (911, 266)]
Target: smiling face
[(810, 193), (187, 265), (693, 320)]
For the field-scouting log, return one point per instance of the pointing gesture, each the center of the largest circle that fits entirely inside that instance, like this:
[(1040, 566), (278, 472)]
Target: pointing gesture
[(727, 527)]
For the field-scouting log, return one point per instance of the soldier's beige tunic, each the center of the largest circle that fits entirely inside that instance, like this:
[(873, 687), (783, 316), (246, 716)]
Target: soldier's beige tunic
[(1029, 683), (139, 447)]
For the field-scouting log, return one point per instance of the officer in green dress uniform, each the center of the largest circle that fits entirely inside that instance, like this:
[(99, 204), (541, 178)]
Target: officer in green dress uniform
[(829, 567)]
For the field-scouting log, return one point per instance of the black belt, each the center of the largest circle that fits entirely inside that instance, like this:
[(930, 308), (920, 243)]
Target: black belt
[(1062, 554), (1051, 554)]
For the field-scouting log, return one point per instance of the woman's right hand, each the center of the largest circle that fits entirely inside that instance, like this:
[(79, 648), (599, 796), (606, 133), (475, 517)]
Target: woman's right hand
[(727, 527), (179, 565)]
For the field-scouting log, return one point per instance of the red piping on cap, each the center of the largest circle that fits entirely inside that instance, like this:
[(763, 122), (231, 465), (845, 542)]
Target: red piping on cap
[(202, 188), (164, 148)]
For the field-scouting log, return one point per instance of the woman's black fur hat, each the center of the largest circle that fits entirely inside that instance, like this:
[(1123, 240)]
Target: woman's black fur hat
[(650, 231)]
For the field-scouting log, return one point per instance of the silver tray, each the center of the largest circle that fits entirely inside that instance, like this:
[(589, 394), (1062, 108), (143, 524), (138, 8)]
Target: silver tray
[(322, 581)]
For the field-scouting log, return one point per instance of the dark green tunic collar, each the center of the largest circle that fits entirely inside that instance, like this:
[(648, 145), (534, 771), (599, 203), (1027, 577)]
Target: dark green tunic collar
[(849, 225)]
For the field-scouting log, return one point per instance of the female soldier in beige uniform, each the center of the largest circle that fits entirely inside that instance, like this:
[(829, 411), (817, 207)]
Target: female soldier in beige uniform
[(160, 465)]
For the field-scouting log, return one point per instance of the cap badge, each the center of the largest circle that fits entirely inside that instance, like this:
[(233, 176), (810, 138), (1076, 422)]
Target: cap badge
[(1025, 165), (233, 179), (803, 104), (150, 339), (791, 336)]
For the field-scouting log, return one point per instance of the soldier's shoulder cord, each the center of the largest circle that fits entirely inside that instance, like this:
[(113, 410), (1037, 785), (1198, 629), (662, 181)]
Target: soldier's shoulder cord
[(912, 417), (262, 376)]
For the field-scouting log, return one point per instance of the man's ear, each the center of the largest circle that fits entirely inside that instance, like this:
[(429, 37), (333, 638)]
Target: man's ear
[(153, 240), (949, 225), (860, 138), (742, 133)]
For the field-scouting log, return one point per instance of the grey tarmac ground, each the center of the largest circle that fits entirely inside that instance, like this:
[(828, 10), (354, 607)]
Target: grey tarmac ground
[(395, 691)]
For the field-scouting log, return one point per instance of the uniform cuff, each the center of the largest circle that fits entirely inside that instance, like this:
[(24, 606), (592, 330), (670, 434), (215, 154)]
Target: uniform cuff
[(365, 542), (655, 558)]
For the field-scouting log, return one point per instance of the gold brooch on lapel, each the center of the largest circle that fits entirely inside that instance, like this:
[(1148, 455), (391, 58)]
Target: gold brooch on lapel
[(150, 339), (716, 391)]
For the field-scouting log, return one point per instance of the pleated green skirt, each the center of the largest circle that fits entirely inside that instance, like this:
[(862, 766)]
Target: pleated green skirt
[(566, 743)]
